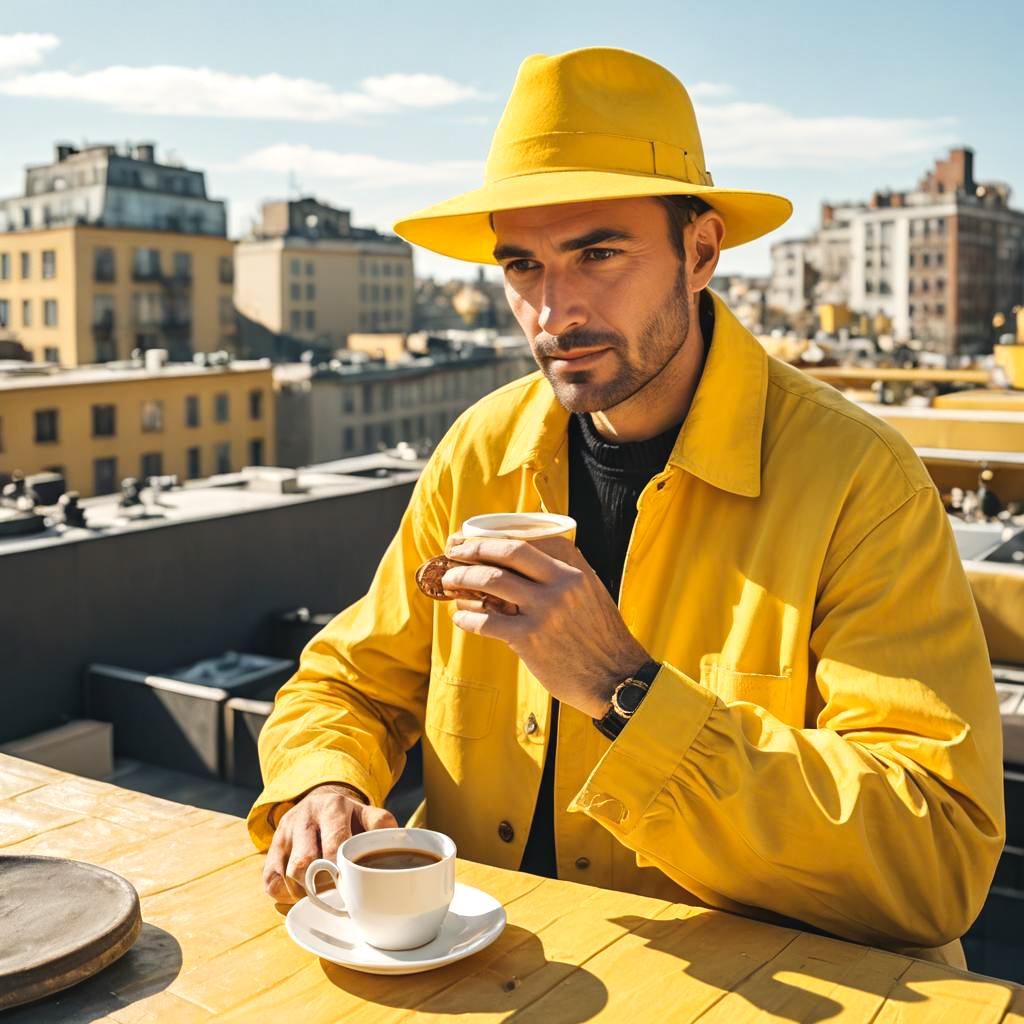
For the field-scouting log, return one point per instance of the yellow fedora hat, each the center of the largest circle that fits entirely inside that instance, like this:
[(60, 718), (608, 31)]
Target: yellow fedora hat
[(596, 123)]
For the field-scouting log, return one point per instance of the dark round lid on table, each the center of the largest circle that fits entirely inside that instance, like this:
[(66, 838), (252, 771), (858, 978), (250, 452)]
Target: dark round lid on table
[(62, 922)]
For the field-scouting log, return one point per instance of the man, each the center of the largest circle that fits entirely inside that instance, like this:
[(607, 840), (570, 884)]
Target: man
[(757, 680)]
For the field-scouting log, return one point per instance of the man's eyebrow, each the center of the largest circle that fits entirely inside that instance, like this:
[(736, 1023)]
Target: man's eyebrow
[(595, 237)]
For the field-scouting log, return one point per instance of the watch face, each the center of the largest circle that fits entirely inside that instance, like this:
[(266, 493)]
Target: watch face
[(630, 697)]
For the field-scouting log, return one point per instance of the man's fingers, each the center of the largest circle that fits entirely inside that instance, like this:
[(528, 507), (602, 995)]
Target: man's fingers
[(376, 817), (274, 867), (519, 555), (507, 585), (305, 849), (494, 624)]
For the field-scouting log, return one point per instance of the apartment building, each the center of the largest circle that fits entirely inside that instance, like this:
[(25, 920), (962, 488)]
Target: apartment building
[(107, 252), (943, 263), (306, 274), (341, 409), (98, 424)]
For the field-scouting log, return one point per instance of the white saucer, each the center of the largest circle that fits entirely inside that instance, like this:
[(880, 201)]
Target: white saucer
[(474, 921)]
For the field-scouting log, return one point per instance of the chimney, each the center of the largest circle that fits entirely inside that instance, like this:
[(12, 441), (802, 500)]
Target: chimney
[(64, 150), (156, 359), (827, 214), (146, 152)]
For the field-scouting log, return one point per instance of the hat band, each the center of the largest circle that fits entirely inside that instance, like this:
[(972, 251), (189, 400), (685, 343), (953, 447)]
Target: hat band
[(592, 151)]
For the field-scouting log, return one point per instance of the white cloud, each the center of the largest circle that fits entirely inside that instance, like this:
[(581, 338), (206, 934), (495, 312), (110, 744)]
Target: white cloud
[(361, 169), (709, 90), (205, 92), (25, 49), (738, 134)]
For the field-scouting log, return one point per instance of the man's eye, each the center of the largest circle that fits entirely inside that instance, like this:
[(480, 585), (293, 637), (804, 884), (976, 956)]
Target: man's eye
[(599, 255), (518, 266)]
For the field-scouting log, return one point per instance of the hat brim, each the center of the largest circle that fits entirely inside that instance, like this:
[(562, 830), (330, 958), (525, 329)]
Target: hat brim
[(461, 228)]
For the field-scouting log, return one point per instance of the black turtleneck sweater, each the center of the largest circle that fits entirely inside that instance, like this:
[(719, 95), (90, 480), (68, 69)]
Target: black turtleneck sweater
[(605, 481)]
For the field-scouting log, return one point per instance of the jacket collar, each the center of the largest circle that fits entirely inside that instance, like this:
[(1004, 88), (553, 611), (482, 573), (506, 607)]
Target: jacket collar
[(720, 440)]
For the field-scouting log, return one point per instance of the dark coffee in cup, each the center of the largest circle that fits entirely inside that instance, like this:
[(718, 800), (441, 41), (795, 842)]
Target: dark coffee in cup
[(397, 860)]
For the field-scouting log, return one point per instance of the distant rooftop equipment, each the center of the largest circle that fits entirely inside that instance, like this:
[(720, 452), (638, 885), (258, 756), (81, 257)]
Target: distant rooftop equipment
[(155, 359)]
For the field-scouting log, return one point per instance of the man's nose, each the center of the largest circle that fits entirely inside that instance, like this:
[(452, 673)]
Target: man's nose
[(561, 310)]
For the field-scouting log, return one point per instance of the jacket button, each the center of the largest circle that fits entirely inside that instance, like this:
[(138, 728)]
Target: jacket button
[(530, 726), (582, 863), (661, 484), (505, 832)]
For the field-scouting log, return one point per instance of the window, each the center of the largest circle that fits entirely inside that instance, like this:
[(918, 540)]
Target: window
[(227, 311), (925, 259), (399, 270), (310, 320), (310, 291), (104, 420), (183, 266), (146, 264), (375, 293), (369, 437), (5, 266), (256, 404), (348, 444), (104, 475), (225, 270), (387, 293), (296, 320), (49, 263), (940, 258), (362, 292), (152, 464), (399, 292), (5, 313), (367, 397), (221, 408), (50, 312), (222, 457), (940, 307), (296, 267), (193, 463), (912, 258), (295, 291), (348, 400), (103, 264), (386, 269), (26, 264), (47, 426), (26, 312), (256, 451), (191, 410), (51, 354), (152, 415), (309, 268)]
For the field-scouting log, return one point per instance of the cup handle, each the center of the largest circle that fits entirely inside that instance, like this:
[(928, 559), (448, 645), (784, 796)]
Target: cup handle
[(311, 872)]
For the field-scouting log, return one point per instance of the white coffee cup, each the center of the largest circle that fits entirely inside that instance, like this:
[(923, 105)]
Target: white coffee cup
[(520, 525), (392, 908)]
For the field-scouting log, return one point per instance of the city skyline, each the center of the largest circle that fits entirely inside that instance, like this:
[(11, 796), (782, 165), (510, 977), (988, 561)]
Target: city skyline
[(405, 118)]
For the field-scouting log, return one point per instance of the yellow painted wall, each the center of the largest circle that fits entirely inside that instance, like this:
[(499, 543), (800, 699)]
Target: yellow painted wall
[(76, 448), (74, 287), (981, 398), (1011, 359), (970, 429)]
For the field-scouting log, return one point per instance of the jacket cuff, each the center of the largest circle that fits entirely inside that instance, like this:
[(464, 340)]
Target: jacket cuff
[(306, 772), (640, 761)]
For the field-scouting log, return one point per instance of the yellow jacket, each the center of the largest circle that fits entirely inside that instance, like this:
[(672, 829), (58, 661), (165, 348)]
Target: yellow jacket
[(823, 742)]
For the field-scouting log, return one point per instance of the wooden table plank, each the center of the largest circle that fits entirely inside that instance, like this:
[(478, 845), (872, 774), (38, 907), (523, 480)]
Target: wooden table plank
[(933, 994)]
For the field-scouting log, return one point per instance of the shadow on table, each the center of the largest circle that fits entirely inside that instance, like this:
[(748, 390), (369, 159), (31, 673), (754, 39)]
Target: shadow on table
[(152, 963), (688, 939), (506, 977)]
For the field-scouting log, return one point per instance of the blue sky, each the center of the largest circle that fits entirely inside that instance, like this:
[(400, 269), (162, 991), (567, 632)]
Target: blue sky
[(386, 107)]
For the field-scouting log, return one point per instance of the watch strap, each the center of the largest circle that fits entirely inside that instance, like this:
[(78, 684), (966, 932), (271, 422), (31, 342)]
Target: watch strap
[(615, 719)]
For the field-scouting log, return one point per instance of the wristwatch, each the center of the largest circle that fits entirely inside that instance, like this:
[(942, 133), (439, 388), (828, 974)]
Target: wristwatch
[(626, 698)]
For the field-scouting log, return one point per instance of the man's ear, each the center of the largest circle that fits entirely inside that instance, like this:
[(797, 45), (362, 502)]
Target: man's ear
[(704, 246)]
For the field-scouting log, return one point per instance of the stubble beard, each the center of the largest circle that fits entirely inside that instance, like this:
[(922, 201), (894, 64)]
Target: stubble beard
[(660, 338)]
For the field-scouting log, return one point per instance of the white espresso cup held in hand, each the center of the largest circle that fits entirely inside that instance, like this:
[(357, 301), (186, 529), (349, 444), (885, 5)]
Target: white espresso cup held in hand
[(520, 525), (392, 907)]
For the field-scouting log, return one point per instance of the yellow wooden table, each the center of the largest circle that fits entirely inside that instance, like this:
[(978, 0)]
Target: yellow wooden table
[(213, 947)]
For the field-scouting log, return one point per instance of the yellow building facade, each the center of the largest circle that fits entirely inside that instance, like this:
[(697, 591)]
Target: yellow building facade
[(97, 425), (83, 294)]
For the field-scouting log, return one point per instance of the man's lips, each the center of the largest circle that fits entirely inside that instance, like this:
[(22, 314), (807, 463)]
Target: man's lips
[(576, 358)]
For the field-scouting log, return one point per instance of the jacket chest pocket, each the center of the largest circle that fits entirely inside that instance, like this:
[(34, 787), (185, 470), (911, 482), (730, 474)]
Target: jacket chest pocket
[(459, 707), (774, 693)]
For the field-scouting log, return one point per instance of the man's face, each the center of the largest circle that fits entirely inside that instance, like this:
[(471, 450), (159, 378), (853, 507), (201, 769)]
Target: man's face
[(600, 292)]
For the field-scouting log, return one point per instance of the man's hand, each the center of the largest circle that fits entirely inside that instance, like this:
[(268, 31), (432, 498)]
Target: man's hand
[(568, 631), (315, 827)]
